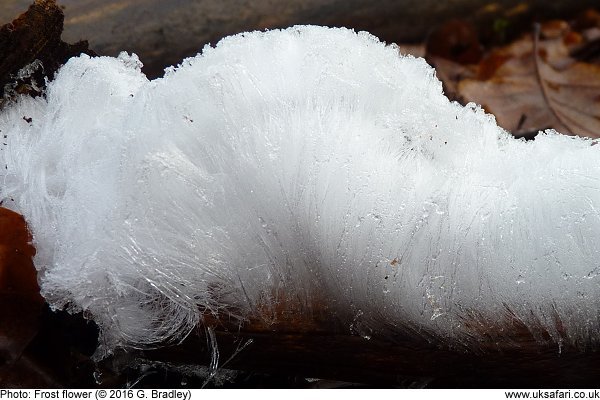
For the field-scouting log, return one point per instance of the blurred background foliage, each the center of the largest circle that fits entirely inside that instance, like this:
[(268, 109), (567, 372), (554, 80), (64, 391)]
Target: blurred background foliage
[(163, 32)]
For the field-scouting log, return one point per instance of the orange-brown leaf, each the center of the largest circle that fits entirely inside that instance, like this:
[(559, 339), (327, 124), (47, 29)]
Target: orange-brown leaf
[(17, 274), (20, 300), (534, 84)]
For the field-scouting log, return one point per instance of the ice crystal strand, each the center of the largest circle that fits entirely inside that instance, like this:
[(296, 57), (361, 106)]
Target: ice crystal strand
[(294, 165)]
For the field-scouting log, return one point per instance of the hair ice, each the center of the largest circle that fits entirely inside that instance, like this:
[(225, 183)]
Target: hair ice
[(299, 164)]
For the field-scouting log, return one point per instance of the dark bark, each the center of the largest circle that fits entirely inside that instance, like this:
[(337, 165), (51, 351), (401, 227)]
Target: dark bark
[(31, 49)]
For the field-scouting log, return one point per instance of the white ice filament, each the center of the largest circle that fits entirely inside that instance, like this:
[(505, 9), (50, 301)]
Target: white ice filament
[(309, 162)]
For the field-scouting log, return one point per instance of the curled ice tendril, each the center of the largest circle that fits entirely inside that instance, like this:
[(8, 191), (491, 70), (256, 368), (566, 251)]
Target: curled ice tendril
[(299, 164)]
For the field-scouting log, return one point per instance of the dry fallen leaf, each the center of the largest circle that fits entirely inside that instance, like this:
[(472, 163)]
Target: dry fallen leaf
[(534, 83), (455, 40), (17, 274), (20, 300)]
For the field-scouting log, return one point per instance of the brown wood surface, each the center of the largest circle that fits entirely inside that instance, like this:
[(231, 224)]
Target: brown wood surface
[(35, 35), (392, 363)]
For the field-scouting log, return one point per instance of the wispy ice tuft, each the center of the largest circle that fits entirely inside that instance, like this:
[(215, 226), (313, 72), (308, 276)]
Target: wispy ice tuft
[(296, 165)]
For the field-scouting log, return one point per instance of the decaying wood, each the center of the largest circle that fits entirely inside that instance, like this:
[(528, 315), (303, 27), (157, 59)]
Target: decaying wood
[(31, 49), (394, 363)]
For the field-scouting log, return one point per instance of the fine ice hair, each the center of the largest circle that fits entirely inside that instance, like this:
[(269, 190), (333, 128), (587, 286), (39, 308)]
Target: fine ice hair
[(299, 166)]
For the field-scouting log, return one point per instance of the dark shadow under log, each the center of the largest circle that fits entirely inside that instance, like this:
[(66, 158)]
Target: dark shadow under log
[(378, 363)]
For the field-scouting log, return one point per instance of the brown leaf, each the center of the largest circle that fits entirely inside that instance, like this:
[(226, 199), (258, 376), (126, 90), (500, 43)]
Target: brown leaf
[(17, 274), (20, 300), (451, 74), (534, 84), (455, 40)]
